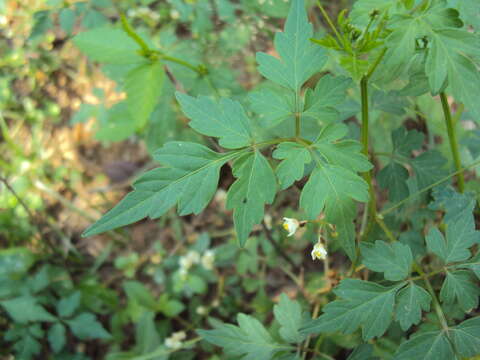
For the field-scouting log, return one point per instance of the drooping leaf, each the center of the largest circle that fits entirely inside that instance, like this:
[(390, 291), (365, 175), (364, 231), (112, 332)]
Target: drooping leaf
[(393, 177), (86, 327), (143, 86), (362, 304), (466, 337), (394, 260), (289, 314), (26, 309), (411, 300), (292, 168), (255, 186), (108, 45), (188, 180), (57, 337), (225, 119), (299, 58), (432, 345), (249, 340), (460, 286)]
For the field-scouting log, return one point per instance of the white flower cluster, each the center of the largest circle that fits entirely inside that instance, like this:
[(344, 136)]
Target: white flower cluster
[(207, 260), (175, 340)]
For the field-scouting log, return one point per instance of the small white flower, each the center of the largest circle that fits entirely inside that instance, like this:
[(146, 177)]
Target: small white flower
[(175, 340), (174, 14), (208, 259), (319, 251), (201, 310), (291, 225)]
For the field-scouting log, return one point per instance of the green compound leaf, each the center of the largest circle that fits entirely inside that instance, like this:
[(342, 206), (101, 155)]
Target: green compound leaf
[(333, 185), (86, 327), (299, 58), (404, 142), (108, 45), (250, 340), (225, 119), (473, 264), (411, 300), (429, 167), (290, 316), (255, 186), (450, 52), (393, 177), (67, 305), (460, 236), (432, 345), (329, 185), (329, 92), (188, 180), (394, 260), (363, 304), (26, 309), (292, 168), (466, 337), (273, 106), (469, 11), (460, 286), (143, 86), (345, 153)]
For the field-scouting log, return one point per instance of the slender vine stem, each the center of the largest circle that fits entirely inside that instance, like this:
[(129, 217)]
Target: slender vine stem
[(452, 137), (397, 205)]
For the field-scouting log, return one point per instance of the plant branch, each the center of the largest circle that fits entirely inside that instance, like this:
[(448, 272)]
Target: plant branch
[(452, 137)]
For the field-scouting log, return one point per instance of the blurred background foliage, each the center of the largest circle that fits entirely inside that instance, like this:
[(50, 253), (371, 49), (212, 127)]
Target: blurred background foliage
[(69, 151)]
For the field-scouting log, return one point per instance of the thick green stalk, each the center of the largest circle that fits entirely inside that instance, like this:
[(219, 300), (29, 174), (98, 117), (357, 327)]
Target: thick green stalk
[(372, 207), (452, 137)]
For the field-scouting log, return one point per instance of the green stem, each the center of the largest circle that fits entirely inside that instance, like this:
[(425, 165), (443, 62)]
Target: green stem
[(201, 70), (130, 32), (452, 137), (153, 54), (386, 230), (372, 207), (436, 303), (329, 21)]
